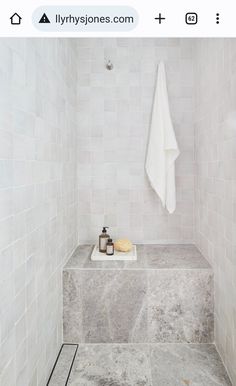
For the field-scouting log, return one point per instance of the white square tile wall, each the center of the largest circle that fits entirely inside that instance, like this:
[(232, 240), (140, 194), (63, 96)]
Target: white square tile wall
[(215, 130), (38, 201), (114, 110)]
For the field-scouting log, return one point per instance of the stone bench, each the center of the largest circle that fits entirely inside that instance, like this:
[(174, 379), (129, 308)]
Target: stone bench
[(164, 296)]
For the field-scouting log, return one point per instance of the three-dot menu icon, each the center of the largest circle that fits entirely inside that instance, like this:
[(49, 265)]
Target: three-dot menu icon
[(217, 18)]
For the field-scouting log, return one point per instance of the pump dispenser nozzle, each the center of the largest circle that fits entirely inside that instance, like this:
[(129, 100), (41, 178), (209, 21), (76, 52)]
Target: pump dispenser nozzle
[(104, 229)]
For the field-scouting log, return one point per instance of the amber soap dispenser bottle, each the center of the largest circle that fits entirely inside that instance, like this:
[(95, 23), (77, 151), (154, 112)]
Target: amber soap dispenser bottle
[(103, 239)]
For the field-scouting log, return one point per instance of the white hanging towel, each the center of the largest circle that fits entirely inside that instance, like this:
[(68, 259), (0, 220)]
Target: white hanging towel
[(162, 148)]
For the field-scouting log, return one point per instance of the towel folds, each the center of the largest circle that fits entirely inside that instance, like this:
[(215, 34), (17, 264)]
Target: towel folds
[(162, 150)]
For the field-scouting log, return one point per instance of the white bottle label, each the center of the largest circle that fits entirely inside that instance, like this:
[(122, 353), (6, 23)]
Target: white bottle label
[(103, 243), (109, 249)]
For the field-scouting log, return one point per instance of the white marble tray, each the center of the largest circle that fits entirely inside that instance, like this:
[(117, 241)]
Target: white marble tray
[(118, 256)]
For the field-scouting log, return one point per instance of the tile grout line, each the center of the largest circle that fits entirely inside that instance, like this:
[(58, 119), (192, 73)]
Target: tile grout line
[(224, 364), (135, 269), (142, 343)]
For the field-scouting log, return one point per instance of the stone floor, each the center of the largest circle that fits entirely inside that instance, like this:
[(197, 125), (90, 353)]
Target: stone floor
[(139, 365)]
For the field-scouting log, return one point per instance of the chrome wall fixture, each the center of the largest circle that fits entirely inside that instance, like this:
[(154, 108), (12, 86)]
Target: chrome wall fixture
[(109, 65)]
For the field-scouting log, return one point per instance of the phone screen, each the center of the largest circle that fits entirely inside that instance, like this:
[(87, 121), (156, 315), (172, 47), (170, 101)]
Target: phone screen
[(117, 193)]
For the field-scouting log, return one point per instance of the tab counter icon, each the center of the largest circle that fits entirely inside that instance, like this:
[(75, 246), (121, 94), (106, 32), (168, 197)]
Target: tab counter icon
[(191, 18), (44, 19)]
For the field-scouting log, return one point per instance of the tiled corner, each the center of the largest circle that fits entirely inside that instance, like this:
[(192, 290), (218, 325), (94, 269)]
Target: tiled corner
[(215, 149)]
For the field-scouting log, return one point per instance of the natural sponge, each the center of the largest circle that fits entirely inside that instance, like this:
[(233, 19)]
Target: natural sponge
[(123, 245)]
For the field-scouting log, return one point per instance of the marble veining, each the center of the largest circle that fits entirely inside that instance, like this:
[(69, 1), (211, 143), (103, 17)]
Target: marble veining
[(187, 365), (180, 306), (142, 305), (109, 306), (111, 365), (148, 365)]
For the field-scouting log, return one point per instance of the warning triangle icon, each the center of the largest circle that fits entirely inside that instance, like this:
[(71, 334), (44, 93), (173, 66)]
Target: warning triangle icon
[(44, 19)]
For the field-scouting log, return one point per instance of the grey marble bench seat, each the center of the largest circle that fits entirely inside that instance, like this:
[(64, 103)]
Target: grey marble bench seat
[(149, 257), (164, 296)]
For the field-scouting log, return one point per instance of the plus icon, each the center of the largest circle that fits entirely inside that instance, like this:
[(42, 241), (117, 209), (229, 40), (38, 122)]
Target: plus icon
[(160, 18)]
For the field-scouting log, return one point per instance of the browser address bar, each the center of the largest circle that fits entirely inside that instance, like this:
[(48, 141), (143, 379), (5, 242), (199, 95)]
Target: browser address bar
[(85, 18)]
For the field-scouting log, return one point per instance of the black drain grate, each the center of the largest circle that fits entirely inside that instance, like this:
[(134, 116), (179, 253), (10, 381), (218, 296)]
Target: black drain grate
[(67, 370)]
